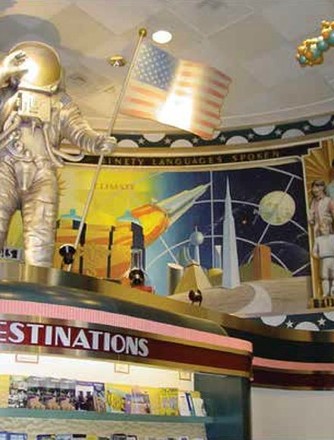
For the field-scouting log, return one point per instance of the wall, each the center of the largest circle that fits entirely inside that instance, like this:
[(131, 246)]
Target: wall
[(292, 415)]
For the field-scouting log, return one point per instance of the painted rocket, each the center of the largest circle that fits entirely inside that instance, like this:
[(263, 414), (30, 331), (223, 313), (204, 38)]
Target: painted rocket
[(155, 219)]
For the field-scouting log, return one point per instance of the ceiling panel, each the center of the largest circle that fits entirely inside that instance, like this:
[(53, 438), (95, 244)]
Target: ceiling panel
[(210, 16), (297, 18), (120, 16)]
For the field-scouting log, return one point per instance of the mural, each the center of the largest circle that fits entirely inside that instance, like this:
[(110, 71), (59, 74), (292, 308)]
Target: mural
[(219, 228)]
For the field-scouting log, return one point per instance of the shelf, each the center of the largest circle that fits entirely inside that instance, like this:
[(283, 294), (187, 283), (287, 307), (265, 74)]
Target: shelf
[(91, 415)]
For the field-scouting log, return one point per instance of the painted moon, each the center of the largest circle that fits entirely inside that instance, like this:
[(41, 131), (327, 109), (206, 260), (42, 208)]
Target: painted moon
[(277, 208)]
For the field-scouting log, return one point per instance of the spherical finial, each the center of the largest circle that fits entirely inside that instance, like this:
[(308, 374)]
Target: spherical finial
[(142, 32)]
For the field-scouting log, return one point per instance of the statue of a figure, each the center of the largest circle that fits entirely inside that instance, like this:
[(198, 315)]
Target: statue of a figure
[(35, 116)]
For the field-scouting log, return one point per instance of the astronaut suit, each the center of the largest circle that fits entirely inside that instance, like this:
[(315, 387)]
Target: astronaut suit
[(35, 116)]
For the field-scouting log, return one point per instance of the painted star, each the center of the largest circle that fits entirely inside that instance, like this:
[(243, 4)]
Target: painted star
[(321, 321), (141, 140), (289, 324), (167, 141)]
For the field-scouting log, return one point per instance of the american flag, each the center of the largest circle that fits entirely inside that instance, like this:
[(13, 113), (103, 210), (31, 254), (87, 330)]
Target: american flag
[(176, 92)]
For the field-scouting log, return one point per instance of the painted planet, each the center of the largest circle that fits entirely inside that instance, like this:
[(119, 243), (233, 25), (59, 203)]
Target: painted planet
[(196, 238), (277, 208)]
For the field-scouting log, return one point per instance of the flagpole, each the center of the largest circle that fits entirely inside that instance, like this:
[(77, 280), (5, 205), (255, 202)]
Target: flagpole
[(142, 34)]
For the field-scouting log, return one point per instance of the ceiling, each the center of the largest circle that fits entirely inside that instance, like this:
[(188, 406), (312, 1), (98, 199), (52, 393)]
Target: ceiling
[(253, 41)]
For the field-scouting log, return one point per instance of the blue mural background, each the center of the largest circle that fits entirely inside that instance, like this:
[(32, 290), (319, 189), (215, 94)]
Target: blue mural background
[(288, 241)]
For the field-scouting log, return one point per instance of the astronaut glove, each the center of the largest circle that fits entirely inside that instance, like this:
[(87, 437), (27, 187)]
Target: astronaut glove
[(13, 65), (105, 145)]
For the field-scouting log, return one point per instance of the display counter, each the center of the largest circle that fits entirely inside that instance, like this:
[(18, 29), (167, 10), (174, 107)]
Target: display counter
[(90, 335), (63, 336)]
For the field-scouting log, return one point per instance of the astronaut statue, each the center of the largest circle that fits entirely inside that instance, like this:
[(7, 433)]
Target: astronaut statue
[(35, 116)]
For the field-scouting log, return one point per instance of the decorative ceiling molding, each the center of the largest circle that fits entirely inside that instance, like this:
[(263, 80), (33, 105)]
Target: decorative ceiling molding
[(289, 132)]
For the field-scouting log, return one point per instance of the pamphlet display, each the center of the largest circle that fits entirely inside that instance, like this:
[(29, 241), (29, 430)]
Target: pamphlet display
[(4, 435), (47, 393)]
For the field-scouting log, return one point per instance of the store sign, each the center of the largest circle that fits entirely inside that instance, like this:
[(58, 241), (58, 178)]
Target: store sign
[(119, 343), (76, 338)]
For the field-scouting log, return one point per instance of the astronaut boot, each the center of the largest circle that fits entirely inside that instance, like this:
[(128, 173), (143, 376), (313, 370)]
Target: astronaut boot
[(327, 299)]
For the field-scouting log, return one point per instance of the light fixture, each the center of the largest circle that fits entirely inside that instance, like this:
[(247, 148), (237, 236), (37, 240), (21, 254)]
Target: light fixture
[(27, 358), (162, 37), (117, 61)]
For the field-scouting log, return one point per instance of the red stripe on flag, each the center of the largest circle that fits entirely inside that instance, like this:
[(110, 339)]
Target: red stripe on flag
[(190, 75), (141, 102), (139, 113), (147, 90), (208, 71), (211, 103), (203, 134), (214, 92), (203, 122), (205, 68), (221, 74), (206, 89), (219, 84), (211, 114)]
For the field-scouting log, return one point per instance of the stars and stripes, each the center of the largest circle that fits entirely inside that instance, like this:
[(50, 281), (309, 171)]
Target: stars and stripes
[(175, 92)]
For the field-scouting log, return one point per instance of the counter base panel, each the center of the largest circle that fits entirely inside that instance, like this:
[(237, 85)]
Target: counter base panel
[(37, 426)]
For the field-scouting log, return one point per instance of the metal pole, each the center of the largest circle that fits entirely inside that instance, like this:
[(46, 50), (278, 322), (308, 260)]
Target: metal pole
[(142, 34)]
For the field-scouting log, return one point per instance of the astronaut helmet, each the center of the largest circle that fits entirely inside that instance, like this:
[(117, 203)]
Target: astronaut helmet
[(44, 71)]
